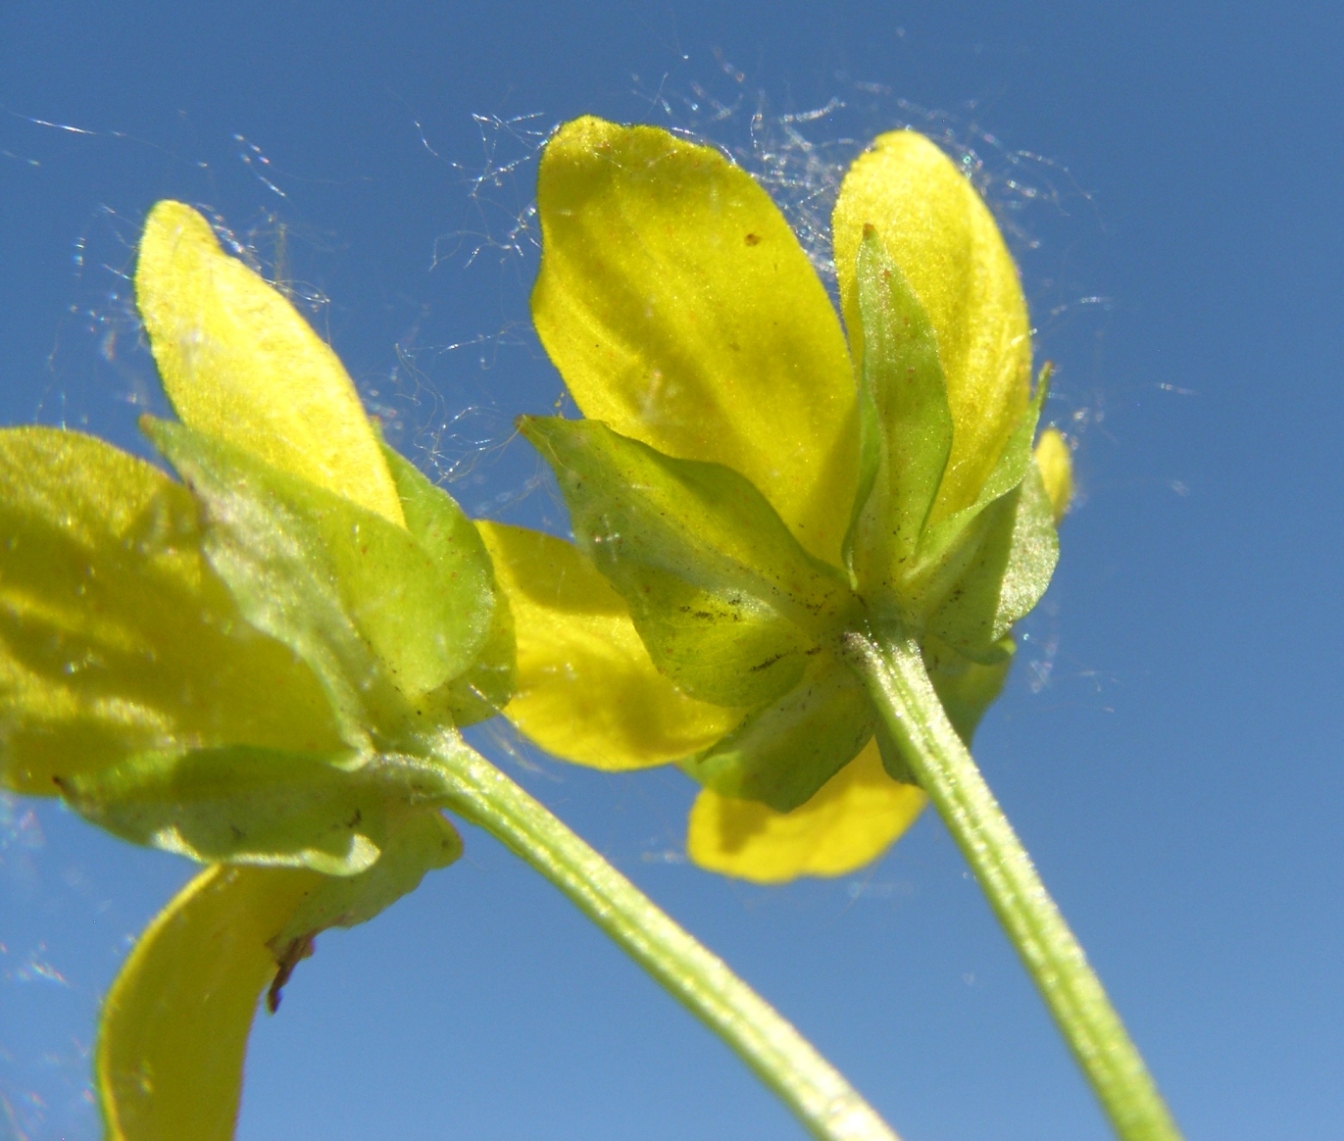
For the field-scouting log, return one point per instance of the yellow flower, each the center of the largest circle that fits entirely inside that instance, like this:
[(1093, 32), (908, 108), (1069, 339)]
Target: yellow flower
[(683, 314), (226, 669)]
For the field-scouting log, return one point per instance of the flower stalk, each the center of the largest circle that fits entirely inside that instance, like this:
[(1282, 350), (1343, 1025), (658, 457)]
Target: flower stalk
[(816, 1093), (893, 671)]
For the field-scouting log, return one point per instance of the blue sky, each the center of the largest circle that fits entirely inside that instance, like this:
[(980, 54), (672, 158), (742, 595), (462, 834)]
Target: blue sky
[(1169, 742)]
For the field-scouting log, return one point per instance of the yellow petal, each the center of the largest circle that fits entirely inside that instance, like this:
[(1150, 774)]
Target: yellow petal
[(240, 363), (175, 1023), (850, 821), (116, 638), (586, 688), (1056, 463), (680, 309), (938, 230)]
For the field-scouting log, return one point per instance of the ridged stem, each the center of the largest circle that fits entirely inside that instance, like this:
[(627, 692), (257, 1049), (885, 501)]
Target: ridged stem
[(893, 671), (816, 1093)]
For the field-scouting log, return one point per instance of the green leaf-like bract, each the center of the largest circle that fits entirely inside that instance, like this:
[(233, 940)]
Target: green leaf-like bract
[(726, 599), (1008, 572), (782, 753), (965, 687), (905, 426), (438, 523), (383, 616), (335, 814), (960, 556), (421, 842)]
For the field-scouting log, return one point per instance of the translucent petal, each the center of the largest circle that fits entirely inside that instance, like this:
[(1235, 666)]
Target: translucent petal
[(175, 1023), (240, 363), (116, 638), (938, 230), (1056, 463), (586, 688), (174, 1026), (851, 821), (681, 311)]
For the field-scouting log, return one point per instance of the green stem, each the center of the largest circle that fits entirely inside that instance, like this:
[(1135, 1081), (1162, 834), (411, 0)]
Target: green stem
[(893, 670), (809, 1085)]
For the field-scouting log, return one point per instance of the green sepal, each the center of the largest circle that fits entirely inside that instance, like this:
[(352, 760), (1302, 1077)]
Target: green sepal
[(380, 616), (422, 840), (333, 814), (1016, 460), (273, 557), (437, 522), (1011, 568), (724, 597), (489, 682), (116, 636), (966, 689), (905, 424), (728, 651), (940, 543), (782, 754), (981, 569), (893, 759)]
